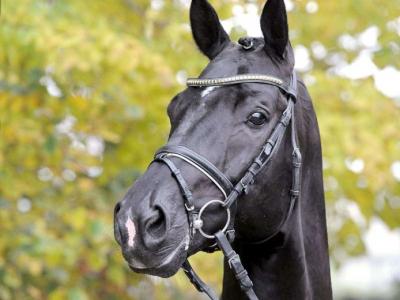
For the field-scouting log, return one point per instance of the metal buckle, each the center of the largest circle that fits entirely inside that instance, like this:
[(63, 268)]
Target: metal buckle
[(189, 208), (248, 46), (235, 257), (245, 187)]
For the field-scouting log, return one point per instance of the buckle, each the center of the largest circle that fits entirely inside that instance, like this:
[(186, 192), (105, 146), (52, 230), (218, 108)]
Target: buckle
[(245, 185), (189, 208), (234, 259), (295, 193)]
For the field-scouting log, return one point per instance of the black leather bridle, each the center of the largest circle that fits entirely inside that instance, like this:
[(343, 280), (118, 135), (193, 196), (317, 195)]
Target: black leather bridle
[(225, 236)]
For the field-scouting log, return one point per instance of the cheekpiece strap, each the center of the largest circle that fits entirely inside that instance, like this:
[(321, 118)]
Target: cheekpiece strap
[(265, 156)]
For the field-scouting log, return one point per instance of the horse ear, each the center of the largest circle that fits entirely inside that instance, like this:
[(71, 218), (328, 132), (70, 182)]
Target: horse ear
[(207, 30), (274, 26)]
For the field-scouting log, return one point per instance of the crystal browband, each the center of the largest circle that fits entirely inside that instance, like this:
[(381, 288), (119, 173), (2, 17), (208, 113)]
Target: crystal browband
[(245, 78), (253, 78)]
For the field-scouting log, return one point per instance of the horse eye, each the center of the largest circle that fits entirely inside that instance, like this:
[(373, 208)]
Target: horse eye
[(257, 118)]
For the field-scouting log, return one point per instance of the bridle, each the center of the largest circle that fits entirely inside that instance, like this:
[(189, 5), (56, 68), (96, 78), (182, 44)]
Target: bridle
[(231, 193), (225, 236)]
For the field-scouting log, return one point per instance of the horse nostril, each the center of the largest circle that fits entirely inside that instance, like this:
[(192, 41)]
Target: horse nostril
[(117, 208), (118, 234), (156, 225)]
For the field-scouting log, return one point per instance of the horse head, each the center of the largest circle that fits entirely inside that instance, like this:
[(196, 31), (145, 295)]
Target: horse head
[(220, 125)]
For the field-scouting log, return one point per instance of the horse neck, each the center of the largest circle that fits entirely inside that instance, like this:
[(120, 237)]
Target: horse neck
[(295, 264)]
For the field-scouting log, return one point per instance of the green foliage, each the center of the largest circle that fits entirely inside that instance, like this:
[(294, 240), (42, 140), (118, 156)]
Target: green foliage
[(77, 76)]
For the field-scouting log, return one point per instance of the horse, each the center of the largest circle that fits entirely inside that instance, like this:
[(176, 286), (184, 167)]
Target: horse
[(241, 172)]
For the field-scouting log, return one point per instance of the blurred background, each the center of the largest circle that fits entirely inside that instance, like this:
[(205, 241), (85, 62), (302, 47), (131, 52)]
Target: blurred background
[(84, 87)]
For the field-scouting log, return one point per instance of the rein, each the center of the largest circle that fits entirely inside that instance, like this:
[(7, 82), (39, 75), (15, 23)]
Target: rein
[(231, 193)]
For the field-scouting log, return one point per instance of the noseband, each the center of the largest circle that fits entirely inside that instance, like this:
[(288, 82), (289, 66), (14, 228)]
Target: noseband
[(231, 192)]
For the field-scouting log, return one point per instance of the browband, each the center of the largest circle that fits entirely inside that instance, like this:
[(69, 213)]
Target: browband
[(234, 80), (246, 78)]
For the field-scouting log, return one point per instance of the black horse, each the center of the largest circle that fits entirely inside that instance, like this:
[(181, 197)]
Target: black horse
[(282, 243)]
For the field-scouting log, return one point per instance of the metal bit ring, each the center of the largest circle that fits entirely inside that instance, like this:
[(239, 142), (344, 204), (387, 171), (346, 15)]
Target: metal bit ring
[(228, 218)]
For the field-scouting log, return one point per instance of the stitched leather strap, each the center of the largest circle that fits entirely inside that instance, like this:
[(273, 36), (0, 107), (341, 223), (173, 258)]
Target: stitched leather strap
[(184, 187), (200, 161), (234, 262), (197, 282)]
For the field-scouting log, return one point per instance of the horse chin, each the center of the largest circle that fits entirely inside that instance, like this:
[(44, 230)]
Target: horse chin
[(167, 267)]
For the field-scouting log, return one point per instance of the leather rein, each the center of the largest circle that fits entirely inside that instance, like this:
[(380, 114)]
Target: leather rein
[(231, 192)]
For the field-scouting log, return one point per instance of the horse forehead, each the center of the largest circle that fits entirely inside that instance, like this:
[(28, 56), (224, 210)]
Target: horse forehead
[(205, 106), (237, 61)]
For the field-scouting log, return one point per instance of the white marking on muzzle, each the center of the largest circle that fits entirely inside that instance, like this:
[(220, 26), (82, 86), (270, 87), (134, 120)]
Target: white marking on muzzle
[(208, 90), (130, 226)]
